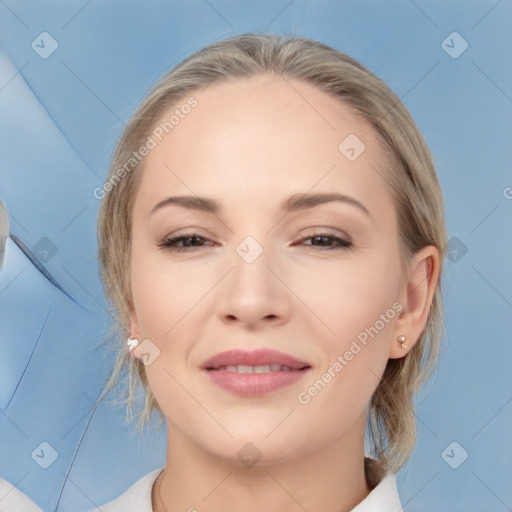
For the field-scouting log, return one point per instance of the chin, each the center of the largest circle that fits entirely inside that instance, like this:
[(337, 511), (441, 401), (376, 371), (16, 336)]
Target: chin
[(262, 423), (251, 452), (257, 436)]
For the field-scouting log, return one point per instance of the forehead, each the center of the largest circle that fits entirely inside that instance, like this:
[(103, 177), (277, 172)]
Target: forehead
[(256, 140)]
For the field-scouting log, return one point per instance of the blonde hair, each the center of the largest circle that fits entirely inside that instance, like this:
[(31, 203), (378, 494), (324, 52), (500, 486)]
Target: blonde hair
[(411, 178)]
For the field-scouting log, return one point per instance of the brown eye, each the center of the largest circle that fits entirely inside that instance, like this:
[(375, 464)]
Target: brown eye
[(182, 243), (328, 241), (190, 241)]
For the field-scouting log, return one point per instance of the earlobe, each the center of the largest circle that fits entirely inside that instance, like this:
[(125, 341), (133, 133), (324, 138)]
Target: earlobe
[(417, 298), (399, 347), (133, 341)]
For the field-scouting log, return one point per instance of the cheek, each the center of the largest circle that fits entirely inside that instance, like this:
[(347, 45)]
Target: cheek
[(165, 301), (356, 302), (355, 307), (165, 294), (347, 297), (171, 303)]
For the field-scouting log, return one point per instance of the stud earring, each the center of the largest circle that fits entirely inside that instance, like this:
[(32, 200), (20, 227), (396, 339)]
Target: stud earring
[(132, 343), (401, 339)]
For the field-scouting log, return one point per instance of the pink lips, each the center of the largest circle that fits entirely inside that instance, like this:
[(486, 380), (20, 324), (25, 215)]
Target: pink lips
[(253, 358), (254, 373)]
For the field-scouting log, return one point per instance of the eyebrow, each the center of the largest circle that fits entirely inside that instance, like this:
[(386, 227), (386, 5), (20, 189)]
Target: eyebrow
[(297, 202)]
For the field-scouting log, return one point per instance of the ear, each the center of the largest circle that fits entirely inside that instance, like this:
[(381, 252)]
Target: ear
[(134, 325), (416, 298)]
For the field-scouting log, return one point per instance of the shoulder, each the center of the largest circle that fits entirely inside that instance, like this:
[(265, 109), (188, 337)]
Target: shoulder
[(136, 498), (383, 498)]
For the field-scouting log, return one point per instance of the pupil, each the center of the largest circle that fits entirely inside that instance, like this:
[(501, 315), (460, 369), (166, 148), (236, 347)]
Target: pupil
[(191, 240)]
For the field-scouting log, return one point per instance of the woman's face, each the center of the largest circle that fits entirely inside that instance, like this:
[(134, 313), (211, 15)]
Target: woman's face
[(260, 271)]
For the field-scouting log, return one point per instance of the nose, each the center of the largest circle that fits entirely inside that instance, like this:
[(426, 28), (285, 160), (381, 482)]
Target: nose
[(253, 294)]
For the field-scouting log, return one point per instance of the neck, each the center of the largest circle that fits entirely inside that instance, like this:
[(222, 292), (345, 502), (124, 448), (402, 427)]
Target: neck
[(331, 478)]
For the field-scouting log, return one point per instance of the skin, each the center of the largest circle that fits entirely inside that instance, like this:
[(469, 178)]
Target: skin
[(249, 145)]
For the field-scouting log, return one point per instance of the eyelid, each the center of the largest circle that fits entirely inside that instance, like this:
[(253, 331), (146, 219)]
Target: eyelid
[(189, 231), (340, 242), (316, 231), (324, 230)]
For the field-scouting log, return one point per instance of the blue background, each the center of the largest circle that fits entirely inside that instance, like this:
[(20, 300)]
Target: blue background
[(60, 120)]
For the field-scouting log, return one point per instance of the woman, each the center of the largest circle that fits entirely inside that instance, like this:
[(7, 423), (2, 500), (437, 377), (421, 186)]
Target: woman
[(271, 239)]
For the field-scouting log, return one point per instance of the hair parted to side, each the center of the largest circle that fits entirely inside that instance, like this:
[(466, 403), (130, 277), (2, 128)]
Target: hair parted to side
[(411, 178)]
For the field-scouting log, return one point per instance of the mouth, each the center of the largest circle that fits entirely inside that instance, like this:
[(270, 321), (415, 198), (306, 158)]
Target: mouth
[(264, 368), (254, 373)]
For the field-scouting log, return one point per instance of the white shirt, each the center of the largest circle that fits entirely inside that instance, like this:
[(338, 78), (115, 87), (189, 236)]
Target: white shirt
[(383, 498), (13, 500)]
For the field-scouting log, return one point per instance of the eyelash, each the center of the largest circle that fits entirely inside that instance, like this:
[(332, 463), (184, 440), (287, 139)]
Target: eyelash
[(168, 244)]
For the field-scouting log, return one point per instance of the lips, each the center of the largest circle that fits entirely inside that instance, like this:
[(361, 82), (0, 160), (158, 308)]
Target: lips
[(256, 358), (254, 373)]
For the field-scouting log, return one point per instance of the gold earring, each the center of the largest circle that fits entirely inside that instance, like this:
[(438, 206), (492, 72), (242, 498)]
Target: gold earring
[(401, 339)]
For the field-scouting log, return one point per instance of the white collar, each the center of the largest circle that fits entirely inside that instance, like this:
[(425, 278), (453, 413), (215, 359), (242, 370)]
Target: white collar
[(383, 498)]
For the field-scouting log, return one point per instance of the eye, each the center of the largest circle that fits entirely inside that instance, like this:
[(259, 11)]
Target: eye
[(189, 241), (328, 241)]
